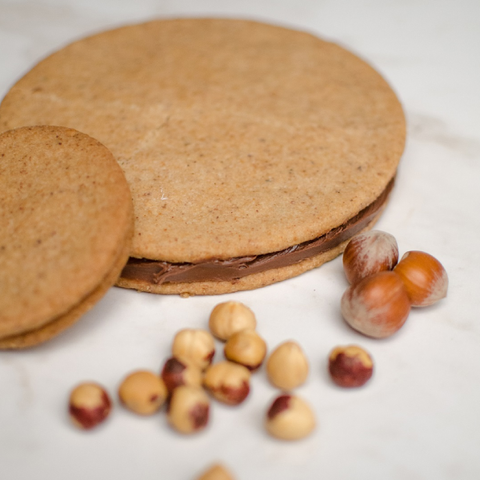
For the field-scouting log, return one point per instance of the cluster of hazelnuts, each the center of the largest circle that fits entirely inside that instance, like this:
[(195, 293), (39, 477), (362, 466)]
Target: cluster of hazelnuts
[(189, 374), (383, 289), (376, 304)]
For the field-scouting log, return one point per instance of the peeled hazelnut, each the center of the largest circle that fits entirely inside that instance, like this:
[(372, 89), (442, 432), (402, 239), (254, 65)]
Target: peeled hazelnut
[(350, 366), (377, 306), (368, 253), (228, 382), (216, 472), (230, 317), (189, 409), (89, 405), (198, 346), (424, 277), (247, 348), (287, 366), (142, 392), (177, 372), (290, 418)]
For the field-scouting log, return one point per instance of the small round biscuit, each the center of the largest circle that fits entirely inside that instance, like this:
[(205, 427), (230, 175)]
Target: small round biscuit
[(66, 216)]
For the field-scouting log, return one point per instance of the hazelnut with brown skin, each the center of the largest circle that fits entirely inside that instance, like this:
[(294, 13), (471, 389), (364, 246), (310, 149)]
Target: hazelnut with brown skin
[(377, 306), (368, 253), (287, 366), (177, 372), (188, 410), (350, 366), (230, 317), (246, 348), (142, 392), (195, 345), (424, 277), (228, 382), (216, 472), (290, 418), (89, 405)]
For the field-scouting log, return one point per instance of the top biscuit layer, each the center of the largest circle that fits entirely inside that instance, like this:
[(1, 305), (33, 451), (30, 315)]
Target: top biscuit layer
[(65, 211), (236, 137)]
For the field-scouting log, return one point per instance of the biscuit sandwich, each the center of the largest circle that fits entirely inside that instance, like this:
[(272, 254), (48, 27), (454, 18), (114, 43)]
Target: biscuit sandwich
[(253, 152), (67, 224)]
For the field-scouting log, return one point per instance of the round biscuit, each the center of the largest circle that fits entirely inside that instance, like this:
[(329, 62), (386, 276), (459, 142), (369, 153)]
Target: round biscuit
[(66, 215), (236, 137)]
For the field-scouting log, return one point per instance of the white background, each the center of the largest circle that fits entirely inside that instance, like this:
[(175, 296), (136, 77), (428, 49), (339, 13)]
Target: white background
[(419, 417)]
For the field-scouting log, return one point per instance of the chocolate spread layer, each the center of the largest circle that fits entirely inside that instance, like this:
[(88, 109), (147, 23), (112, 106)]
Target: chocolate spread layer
[(216, 270)]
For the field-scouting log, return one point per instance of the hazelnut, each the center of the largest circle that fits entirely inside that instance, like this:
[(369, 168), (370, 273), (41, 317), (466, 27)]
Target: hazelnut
[(230, 317), (89, 405), (368, 253), (188, 409), (424, 277), (142, 392), (350, 366), (216, 472), (178, 372), (290, 418), (198, 346), (377, 306), (228, 382), (287, 366), (247, 348)]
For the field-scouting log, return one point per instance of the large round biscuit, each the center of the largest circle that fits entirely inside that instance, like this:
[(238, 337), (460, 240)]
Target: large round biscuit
[(66, 216), (236, 137)]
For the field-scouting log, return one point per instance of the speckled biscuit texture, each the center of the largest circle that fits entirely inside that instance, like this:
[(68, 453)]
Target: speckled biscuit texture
[(236, 137), (66, 216)]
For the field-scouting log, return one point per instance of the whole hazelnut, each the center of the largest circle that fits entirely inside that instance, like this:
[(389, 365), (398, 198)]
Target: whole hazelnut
[(177, 372), (377, 306), (230, 317), (216, 472), (195, 345), (89, 405), (290, 418), (228, 382), (424, 277), (188, 410), (368, 253), (350, 366), (142, 392), (287, 366), (247, 348)]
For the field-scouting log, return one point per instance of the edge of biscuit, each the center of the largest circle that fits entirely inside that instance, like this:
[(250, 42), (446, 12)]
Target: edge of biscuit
[(62, 322), (250, 282)]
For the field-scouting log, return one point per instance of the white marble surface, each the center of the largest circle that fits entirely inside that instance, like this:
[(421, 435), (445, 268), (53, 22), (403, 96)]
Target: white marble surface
[(419, 416)]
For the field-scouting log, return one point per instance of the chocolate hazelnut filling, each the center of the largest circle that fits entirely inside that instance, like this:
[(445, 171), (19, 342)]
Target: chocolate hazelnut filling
[(216, 270)]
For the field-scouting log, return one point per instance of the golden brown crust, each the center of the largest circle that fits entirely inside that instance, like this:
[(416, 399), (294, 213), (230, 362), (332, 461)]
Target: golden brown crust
[(58, 325), (67, 208), (237, 138)]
